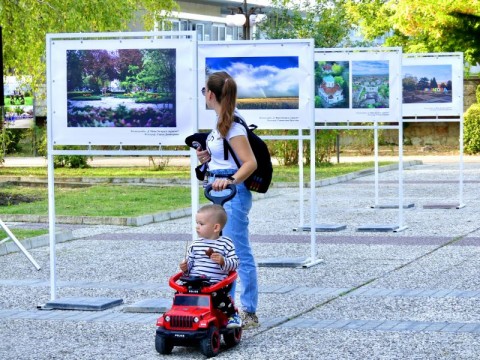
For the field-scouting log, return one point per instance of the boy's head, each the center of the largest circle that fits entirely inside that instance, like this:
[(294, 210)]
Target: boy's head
[(210, 220)]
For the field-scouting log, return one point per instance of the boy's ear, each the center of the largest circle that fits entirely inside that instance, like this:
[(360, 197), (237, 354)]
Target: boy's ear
[(217, 228)]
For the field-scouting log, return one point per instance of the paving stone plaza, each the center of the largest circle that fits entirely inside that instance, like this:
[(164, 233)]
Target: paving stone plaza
[(413, 294)]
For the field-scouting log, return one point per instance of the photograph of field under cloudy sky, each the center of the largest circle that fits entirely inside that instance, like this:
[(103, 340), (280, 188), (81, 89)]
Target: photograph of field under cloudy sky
[(264, 82)]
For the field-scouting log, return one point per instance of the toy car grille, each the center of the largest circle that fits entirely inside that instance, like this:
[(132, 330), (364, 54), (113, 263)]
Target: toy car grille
[(181, 321)]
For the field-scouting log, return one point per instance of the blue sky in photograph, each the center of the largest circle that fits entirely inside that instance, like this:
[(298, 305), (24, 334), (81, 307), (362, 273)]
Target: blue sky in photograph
[(379, 67), (441, 73), (262, 76)]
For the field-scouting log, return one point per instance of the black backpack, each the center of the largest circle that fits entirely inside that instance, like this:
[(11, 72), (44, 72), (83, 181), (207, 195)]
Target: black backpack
[(261, 178)]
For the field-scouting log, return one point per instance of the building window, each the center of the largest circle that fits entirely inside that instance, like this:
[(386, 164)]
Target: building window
[(218, 33), (200, 29)]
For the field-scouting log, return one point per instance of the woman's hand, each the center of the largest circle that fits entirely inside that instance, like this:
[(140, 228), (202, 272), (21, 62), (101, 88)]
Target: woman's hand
[(203, 156), (221, 183)]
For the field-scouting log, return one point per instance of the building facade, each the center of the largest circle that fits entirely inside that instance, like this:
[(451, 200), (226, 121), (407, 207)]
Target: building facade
[(210, 19)]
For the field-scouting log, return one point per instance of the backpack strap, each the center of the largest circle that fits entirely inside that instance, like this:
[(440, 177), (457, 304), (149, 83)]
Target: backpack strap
[(226, 146)]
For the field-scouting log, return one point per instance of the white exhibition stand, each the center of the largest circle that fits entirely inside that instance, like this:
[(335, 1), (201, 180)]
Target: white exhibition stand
[(301, 118), (450, 65), (59, 133), (400, 226), (362, 119)]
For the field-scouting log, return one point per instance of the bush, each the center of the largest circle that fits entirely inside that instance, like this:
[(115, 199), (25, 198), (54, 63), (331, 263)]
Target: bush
[(286, 151), (471, 128), (72, 161), (12, 140)]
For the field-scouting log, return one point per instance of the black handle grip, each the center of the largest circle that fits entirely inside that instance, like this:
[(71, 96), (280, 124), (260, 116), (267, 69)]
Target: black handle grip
[(221, 199)]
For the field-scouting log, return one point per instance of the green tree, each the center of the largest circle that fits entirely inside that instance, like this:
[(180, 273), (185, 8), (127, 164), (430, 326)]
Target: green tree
[(421, 25), (409, 83), (26, 23), (337, 69), (423, 83), (325, 21)]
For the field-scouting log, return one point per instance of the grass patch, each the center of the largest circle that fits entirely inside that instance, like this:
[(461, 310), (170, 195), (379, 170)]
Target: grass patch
[(280, 173), (113, 200), (171, 172), (22, 234), (128, 200)]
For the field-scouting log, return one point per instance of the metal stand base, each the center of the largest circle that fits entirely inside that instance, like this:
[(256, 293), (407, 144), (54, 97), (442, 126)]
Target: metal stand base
[(379, 228), (81, 303), (322, 228), (442, 206), (149, 306), (392, 206), (289, 262)]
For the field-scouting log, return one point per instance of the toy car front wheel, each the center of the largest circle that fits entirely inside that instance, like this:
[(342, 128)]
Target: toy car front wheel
[(210, 345), (162, 345), (233, 337)]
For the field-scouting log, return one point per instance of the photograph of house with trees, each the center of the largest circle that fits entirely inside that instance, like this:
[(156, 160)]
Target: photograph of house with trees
[(427, 84), (121, 88), (370, 84), (332, 84), (263, 82)]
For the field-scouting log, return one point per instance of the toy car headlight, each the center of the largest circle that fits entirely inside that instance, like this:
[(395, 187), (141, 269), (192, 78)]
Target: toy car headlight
[(167, 318), (196, 319)]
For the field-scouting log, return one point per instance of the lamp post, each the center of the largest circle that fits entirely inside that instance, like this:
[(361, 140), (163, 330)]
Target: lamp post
[(245, 17)]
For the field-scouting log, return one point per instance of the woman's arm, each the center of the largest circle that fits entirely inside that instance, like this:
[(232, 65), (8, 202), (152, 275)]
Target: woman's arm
[(245, 156), (243, 150)]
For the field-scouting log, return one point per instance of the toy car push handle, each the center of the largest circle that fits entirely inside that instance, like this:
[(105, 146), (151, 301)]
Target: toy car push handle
[(221, 199), (221, 284), (208, 289), (174, 285)]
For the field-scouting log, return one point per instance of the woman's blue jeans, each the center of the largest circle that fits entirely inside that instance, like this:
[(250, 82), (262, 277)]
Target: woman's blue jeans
[(237, 229)]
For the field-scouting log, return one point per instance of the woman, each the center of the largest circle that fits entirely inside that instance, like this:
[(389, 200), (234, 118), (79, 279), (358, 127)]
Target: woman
[(221, 95)]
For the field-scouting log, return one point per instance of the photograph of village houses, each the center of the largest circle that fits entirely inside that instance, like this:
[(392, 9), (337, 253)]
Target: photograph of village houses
[(332, 84), (427, 84), (370, 84)]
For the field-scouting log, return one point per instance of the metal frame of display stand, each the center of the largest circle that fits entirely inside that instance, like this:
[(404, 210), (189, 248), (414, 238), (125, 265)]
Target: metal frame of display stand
[(458, 119), (89, 303), (18, 243), (400, 226), (449, 112), (313, 259)]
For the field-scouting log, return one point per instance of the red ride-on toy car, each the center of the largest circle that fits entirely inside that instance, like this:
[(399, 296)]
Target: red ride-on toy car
[(193, 320)]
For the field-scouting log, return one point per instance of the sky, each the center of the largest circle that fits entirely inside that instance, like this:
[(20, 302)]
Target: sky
[(370, 67), (441, 73), (259, 77)]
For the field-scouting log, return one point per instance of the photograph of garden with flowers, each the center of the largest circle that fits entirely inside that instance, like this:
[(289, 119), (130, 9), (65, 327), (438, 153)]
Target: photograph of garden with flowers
[(121, 88)]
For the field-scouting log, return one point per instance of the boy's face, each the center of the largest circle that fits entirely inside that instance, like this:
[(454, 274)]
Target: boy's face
[(206, 227)]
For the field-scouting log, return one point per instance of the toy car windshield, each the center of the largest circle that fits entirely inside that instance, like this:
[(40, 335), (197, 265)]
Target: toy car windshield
[(191, 300)]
